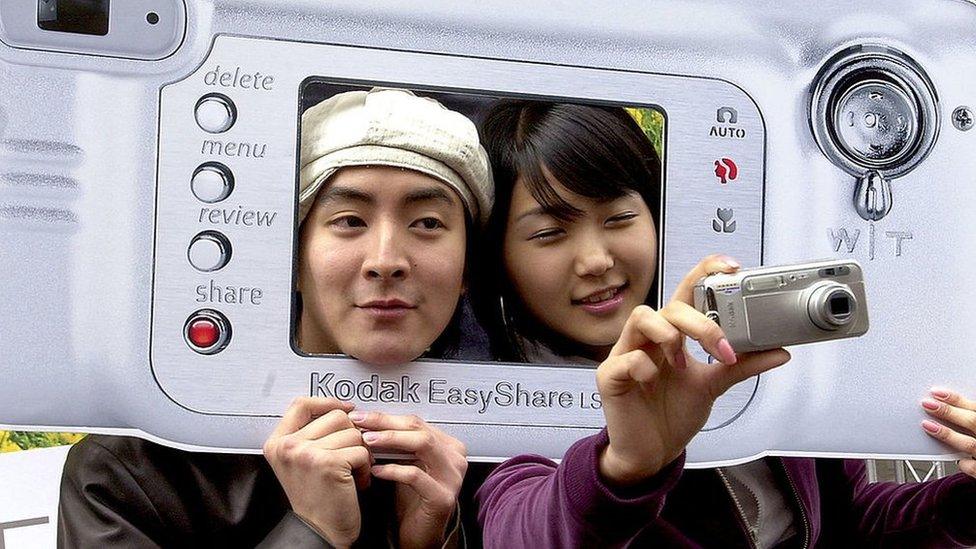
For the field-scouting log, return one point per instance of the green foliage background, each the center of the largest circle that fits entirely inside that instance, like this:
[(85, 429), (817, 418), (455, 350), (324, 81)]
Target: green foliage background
[(13, 441), (652, 122)]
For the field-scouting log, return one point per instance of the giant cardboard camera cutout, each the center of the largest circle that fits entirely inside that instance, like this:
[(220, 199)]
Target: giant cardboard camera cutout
[(148, 198)]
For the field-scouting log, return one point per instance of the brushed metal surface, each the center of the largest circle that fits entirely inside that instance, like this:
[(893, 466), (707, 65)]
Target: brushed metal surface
[(236, 379), (77, 260)]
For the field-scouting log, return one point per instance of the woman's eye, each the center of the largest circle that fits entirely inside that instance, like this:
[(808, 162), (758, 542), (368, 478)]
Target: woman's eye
[(347, 222), (621, 218), (547, 234), (429, 223)]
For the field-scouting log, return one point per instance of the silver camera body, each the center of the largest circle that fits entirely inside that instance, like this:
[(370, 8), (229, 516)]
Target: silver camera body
[(772, 307), (149, 176)]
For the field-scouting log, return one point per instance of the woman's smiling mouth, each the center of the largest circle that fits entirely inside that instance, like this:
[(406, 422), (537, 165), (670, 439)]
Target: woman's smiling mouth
[(603, 302)]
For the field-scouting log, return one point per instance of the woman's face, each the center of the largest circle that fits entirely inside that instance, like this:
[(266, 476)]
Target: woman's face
[(381, 264), (581, 278)]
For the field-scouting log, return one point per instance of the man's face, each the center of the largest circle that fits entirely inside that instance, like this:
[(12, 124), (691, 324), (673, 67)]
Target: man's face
[(381, 264)]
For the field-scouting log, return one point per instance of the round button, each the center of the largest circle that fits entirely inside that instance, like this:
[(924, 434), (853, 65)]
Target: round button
[(203, 332), (209, 251), (215, 113), (876, 122), (206, 331), (212, 182), (873, 109)]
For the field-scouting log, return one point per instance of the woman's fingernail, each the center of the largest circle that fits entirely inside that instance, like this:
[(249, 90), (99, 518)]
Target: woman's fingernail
[(357, 416), (930, 405), (371, 437), (728, 355), (941, 394), (731, 262), (931, 426)]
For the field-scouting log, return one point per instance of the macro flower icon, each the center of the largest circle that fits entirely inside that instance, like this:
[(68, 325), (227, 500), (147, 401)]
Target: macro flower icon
[(727, 224)]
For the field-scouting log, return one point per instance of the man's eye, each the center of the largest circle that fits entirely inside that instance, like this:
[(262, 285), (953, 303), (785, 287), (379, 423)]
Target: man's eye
[(348, 222), (547, 234), (428, 223)]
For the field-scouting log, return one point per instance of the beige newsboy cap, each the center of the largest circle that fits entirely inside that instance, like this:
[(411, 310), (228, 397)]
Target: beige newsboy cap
[(392, 127)]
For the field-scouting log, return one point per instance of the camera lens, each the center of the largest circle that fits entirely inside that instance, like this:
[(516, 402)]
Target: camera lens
[(831, 306), (839, 305), (74, 16)]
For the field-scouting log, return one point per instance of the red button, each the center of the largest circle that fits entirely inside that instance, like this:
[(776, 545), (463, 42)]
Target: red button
[(204, 333)]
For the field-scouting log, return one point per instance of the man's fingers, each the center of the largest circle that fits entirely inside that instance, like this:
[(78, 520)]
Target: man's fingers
[(331, 422), (304, 409), (645, 327), (955, 440), (715, 263), (694, 324), (752, 364), (414, 442), (422, 483), (356, 457), (379, 421), (346, 438)]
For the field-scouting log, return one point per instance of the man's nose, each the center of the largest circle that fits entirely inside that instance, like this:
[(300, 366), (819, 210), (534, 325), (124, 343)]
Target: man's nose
[(593, 257), (386, 257)]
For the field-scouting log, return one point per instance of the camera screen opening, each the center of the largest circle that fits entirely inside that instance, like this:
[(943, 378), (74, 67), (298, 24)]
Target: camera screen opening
[(401, 252)]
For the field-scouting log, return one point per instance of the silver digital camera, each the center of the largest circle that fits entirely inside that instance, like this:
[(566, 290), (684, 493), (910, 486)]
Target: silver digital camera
[(772, 307), (149, 182)]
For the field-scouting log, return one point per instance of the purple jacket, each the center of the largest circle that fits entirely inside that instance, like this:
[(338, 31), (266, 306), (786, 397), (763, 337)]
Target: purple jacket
[(530, 502)]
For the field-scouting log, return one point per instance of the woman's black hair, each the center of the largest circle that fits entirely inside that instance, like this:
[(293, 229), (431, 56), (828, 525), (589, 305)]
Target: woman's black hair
[(599, 152)]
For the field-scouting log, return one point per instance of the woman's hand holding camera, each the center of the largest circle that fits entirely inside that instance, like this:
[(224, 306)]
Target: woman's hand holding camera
[(656, 397), (319, 457), (427, 488), (960, 412)]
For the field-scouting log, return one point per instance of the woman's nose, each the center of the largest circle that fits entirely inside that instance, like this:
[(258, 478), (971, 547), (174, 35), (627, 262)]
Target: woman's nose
[(386, 257), (593, 258)]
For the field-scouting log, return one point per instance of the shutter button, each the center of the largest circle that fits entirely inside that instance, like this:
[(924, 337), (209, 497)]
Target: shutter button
[(215, 113), (209, 251), (876, 123), (207, 332), (875, 115)]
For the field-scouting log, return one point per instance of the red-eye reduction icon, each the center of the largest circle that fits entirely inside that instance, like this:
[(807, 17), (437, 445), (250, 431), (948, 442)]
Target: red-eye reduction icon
[(726, 170)]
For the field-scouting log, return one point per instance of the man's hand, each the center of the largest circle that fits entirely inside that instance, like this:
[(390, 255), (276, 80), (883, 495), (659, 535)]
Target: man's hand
[(319, 457), (427, 488), (656, 397)]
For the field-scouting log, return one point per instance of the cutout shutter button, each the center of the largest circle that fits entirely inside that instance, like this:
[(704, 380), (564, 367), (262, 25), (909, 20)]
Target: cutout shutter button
[(209, 251), (876, 123), (874, 114), (212, 182), (215, 113), (207, 332)]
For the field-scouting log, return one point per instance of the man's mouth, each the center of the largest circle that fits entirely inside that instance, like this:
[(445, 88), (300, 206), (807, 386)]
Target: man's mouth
[(386, 309)]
